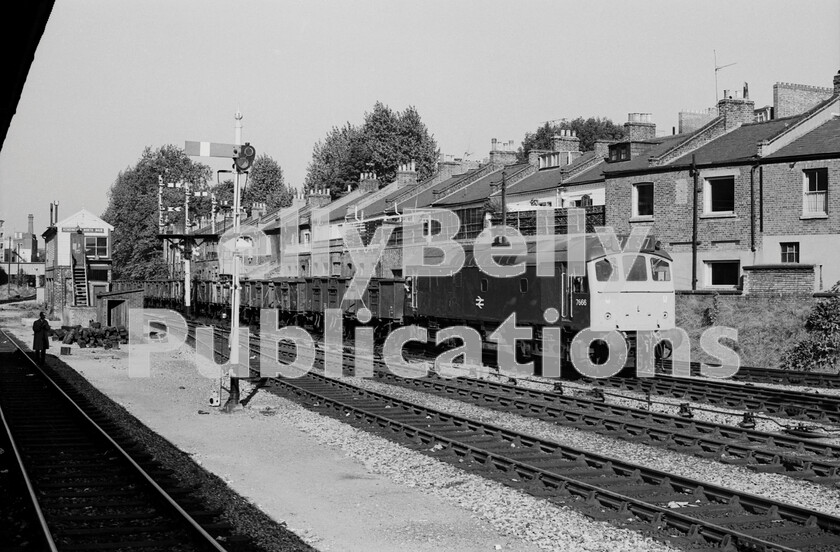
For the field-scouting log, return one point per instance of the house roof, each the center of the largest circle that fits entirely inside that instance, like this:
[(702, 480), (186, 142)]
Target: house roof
[(593, 173), (550, 179), (824, 139), (83, 219), (481, 189), (545, 179), (427, 197), (383, 203), (739, 145), (640, 162)]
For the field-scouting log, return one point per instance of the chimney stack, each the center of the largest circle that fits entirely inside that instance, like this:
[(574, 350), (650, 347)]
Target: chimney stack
[(318, 197), (602, 147), (502, 154), (567, 140), (31, 224), (638, 127), (736, 110), (406, 175), (368, 183)]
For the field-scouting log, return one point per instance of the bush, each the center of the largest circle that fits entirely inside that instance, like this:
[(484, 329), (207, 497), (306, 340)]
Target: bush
[(820, 349), (813, 353)]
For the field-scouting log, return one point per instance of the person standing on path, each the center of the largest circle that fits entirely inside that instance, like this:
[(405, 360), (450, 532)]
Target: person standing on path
[(41, 328)]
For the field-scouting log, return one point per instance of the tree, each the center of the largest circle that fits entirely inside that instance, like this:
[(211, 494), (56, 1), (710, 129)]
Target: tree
[(133, 209), (588, 130), (4, 278), (385, 140), (330, 166), (266, 184)]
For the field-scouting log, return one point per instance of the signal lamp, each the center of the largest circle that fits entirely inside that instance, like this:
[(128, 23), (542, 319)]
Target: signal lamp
[(244, 157)]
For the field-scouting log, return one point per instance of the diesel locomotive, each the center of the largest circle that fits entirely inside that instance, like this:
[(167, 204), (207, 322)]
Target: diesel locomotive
[(626, 290)]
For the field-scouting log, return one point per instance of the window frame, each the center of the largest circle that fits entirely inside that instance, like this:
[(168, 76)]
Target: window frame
[(635, 201), (708, 183), (794, 253), (709, 274), (821, 174), (97, 247)]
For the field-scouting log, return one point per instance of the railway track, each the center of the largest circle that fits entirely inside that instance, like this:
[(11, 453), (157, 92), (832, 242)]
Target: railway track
[(762, 451), (704, 516), (89, 486), (800, 406), (811, 407), (795, 456), (713, 516), (784, 377)]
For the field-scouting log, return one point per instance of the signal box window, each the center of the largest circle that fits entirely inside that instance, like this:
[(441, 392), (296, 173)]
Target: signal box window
[(660, 269), (636, 268), (720, 195), (606, 270), (815, 200), (96, 247), (643, 199), (790, 252), (724, 273)]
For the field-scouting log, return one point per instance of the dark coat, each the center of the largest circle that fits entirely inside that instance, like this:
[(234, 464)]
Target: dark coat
[(42, 335)]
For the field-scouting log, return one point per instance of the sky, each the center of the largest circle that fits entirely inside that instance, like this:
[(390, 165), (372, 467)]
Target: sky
[(112, 78)]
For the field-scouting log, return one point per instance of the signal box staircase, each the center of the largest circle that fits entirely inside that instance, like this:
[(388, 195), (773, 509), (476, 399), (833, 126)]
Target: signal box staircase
[(80, 285)]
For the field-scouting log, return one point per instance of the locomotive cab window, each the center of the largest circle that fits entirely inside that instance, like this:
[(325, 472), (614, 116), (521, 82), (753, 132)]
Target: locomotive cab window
[(606, 270), (660, 270), (636, 268)]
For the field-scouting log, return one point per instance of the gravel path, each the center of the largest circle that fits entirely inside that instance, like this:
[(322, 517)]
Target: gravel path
[(779, 487), (510, 511)]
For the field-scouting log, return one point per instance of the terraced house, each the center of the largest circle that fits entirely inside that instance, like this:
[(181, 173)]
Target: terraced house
[(765, 213)]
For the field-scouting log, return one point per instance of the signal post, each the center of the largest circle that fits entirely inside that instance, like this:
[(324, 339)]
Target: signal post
[(243, 158)]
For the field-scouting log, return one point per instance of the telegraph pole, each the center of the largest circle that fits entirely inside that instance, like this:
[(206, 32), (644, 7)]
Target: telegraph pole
[(9, 272)]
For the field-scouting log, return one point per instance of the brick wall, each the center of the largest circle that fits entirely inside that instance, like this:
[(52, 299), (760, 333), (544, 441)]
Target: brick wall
[(782, 199), (689, 121), (672, 211), (782, 279), (713, 129), (59, 290), (793, 99)]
